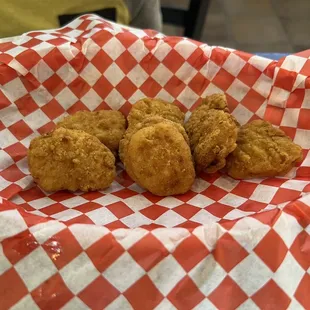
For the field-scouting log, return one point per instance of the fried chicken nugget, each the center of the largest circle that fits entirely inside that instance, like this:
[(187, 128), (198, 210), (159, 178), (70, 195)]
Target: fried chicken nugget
[(72, 160), (262, 151), (151, 107), (107, 125), (212, 133), (157, 156), (150, 121)]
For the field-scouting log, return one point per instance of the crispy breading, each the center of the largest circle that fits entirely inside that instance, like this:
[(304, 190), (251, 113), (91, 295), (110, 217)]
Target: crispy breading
[(107, 125), (212, 133), (159, 159), (150, 121), (148, 107), (73, 160), (262, 151), (215, 101)]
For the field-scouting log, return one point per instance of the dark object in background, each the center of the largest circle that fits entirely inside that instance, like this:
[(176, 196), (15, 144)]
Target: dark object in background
[(109, 14), (192, 20)]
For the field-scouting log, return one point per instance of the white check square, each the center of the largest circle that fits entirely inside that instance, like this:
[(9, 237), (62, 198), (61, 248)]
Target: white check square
[(11, 223), (79, 273), (207, 269), (123, 272), (166, 274), (251, 274), (35, 268)]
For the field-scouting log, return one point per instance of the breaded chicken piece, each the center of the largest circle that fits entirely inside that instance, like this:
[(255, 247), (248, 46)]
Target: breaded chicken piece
[(151, 107), (107, 125), (159, 159), (72, 160), (262, 151), (150, 121), (212, 133), (215, 101)]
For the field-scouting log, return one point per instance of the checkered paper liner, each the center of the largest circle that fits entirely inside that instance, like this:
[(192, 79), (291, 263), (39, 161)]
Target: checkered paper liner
[(225, 244)]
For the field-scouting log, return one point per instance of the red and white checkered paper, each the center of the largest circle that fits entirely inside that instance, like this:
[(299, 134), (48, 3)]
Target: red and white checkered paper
[(225, 244)]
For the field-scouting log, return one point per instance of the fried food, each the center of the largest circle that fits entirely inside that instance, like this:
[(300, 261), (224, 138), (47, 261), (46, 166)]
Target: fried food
[(153, 120), (107, 125), (212, 133), (262, 151), (157, 157), (72, 160), (215, 101), (148, 107)]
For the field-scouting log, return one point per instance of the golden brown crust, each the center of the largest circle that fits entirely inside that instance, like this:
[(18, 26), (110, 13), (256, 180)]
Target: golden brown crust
[(150, 121), (262, 151), (215, 101), (212, 133), (158, 158), (70, 160), (148, 107), (107, 125)]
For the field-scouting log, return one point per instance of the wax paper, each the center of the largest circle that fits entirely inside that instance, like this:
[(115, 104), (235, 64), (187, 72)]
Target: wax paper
[(225, 244)]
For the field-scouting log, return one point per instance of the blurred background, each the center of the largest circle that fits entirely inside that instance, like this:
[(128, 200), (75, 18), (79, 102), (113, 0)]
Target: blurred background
[(269, 26), (249, 25)]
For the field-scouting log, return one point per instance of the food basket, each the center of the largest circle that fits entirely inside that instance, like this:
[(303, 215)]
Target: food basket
[(225, 244)]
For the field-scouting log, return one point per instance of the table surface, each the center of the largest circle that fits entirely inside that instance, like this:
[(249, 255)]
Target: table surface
[(274, 56)]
